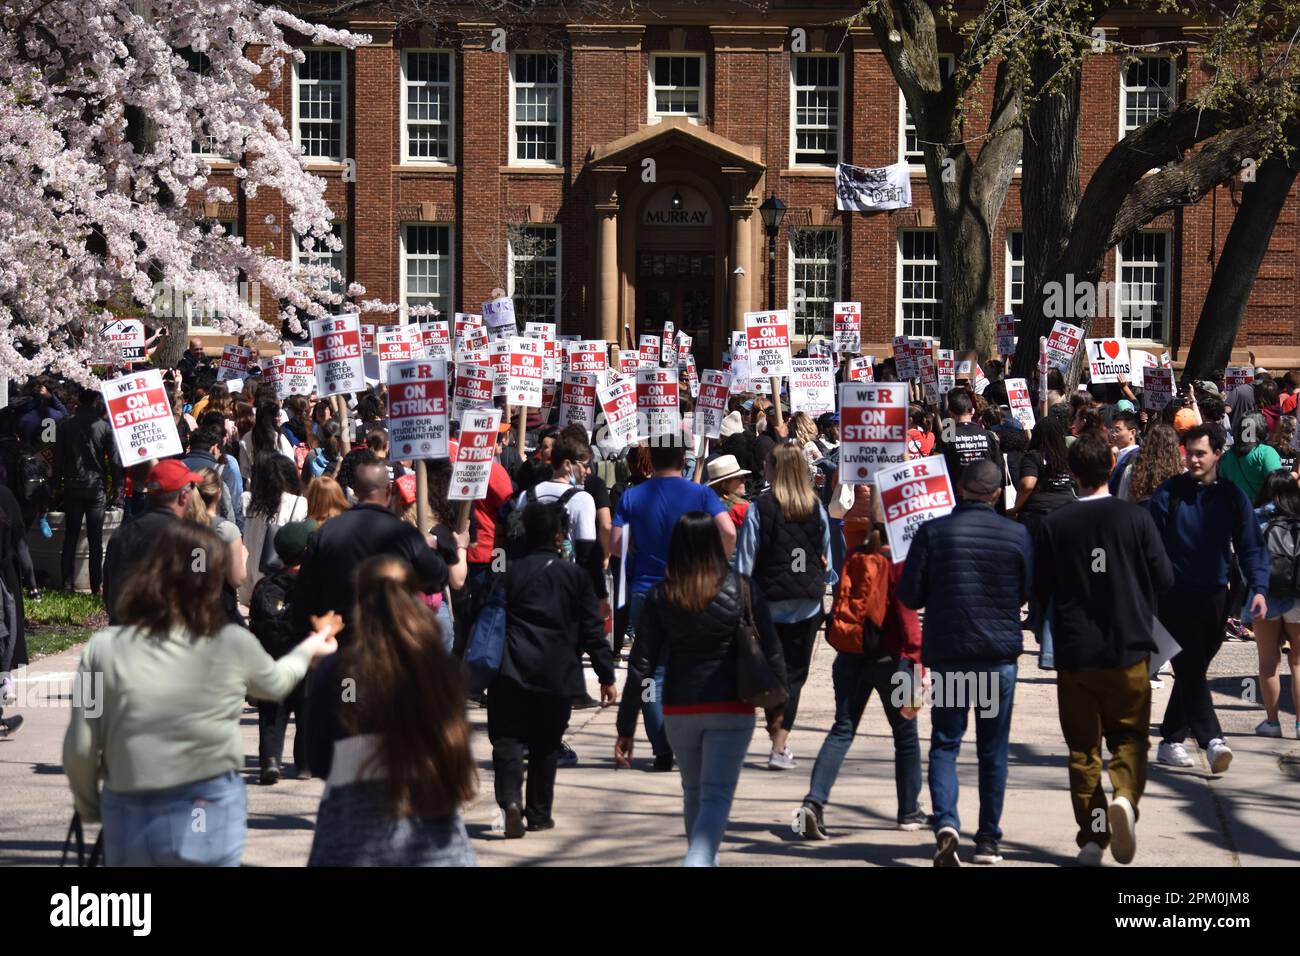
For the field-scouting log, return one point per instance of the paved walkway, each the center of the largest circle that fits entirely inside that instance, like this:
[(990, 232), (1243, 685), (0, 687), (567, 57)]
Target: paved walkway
[(1250, 816)]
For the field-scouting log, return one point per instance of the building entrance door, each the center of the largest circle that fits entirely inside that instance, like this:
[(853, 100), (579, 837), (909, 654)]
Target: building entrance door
[(677, 287)]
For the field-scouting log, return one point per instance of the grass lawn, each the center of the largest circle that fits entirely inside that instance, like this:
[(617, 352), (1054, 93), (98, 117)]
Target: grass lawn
[(61, 619)]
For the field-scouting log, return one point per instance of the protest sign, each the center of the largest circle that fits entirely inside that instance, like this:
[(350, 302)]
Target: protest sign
[(739, 367), (684, 345), (545, 331), (1157, 388), (525, 371), (436, 338), (847, 317), (910, 495), (945, 370), (904, 364), (462, 322), (1108, 359), (273, 375), (123, 341), (657, 409), (500, 352), (859, 189), (578, 399), (692, 377), (1235, 375), (873, 429), (141, 417), (862, 369), (767, 336), (473, 338), (500, 317), (476, 448), (367, 338), (1062, 343), (711, 405), (668, 346), (299, 372), (618, 401), (628, 362), (1022, 405), (1006, 332), (812, 386), (392, 344), (473, 387), (235, 362), (417, 408), (336, 344), (649, 352), (589, 358)]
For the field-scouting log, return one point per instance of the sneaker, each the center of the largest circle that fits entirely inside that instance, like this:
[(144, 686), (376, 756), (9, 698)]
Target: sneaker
[(1089, 855), (808, 822), (1157, 685), (7, 695), (945, 850), (1234, 630), (270, 773), (34, 595), (1174, 754), (1218, 754), (585, 702), (567, 756), (663, 763), (915, 820), (541, 825), (10, 726), (1123, 829), (1269, 728), (781, 761), (514, 828), (986, 852)]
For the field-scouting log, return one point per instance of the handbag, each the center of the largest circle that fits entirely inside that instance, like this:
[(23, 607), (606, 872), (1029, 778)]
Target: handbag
[(77, 837), (842, 499), (755, 681), (269, 560), (487, 642)]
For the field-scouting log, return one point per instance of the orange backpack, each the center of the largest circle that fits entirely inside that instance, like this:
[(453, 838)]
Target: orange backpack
[(861, 600)]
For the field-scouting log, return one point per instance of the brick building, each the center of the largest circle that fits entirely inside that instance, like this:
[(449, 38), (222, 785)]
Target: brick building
[(608, 176)]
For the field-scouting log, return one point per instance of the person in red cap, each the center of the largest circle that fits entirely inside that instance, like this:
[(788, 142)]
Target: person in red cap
[(169, 486)]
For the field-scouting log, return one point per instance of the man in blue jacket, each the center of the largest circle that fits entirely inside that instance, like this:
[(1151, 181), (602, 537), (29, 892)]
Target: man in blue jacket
[(1202, 520), (971, 571)]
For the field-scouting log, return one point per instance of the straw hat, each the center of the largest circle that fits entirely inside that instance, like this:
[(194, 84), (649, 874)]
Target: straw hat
[(724, 467)]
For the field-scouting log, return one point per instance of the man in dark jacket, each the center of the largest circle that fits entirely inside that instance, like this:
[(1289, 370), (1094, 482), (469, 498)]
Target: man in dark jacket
[(84, 457), (971, 571), (325, 580), (41, 407), (1101, 563)]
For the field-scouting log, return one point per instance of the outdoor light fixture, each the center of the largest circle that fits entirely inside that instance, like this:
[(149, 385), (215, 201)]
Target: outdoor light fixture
[(677, 200), (772, 211)]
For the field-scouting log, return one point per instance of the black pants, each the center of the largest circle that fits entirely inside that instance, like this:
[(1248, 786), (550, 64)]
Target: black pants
[(797, 640), (519, 718), (1195, 619), (273, 723), (78, 505)]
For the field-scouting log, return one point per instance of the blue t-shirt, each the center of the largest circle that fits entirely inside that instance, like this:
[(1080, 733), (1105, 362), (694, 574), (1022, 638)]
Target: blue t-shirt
[(651, 509)]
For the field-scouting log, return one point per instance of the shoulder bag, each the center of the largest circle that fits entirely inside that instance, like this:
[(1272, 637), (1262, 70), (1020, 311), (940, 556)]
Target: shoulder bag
[(755, 682)]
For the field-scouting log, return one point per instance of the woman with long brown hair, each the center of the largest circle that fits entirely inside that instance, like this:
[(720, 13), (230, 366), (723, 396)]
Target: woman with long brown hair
[(1158, 460), (396, 751), (170, 683), (325, 499)]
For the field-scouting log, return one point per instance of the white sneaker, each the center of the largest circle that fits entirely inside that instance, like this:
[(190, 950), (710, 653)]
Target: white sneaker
[(7, 695), (1123, 829), (1174, 754), (1269, 728), (781, 761), (1090, 855), (1218, 754)]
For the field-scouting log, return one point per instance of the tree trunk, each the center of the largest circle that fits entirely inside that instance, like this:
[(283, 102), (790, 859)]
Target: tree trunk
[(1236, 270)]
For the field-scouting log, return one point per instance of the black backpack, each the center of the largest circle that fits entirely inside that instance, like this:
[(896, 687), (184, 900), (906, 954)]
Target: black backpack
[(34, 478), (1282, 538), (513, 539)]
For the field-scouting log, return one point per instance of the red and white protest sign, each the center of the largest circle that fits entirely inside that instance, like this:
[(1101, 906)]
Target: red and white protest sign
[(122, 341), (1235, 375), (873, 429), (472, 339), (235, 362), (649, 351), (1062, 344), (1022, 405), (692, 377), (739, 366), (618, 401), (711, 404), (1157, 388), (476, 448), (668, 346), (545, 331), (525, 373), (462, 322), (812, 386), (684, 345), (435, 336), (473, 387), (1108, 359), (767, 336), (273, 375), (417, 408), (589, 358), (578, 399), (910, 495), (657, 409), (299, 372), (500, 352), (848, 327), (336, 343), (141, 417), (862, 369), (1006, 330), (904, 363), (392, 344), (368, 339), (500, 317), (945, 370), (628, 362)]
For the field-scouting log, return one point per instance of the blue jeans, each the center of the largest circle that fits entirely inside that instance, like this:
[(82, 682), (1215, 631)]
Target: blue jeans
[(855, 676), (1046, 647), (652, 710), (443, 615), (710, 751), (992, 736), (197, 824)]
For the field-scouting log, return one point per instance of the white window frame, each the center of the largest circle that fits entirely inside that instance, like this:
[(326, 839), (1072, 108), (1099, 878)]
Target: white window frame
[(513, 159), (898, 285), (792, 267), (318, 253), (559, 267), (1008, 302), (402, 257), (913, 164), (839, 111), (343, 100), (1124, 89), (451, 112), (1120, 299), (652, 114)]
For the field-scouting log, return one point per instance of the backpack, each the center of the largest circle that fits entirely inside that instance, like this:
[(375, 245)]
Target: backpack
[(34, 478), (613, 472), (511, 519), (227, 504), (861, 602), (269, 613), (1282, 538)]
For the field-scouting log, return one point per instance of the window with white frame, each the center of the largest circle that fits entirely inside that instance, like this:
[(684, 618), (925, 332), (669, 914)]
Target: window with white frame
[(1146, 91), (322, 254), (1142, 264), (920, 283), (814, 279), (1016, 274), (320, 100), (199, 64), (537, 97), (427, 267), (909, 141), (428, 106), (535, 272), (677, 84), (204, 316), (816, 82)]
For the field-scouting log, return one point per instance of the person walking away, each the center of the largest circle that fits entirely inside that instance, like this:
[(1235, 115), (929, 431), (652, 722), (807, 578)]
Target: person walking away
[(1202, 521), (727, 478), (274, 501), (205, 508), (1158, 459), (1277, 512), (970, 640), (785, 547), (325, 499), (1101, 564), (552, 617), (1250, 459), (963, 440), (264, 436), (165, 740), (691, 618), (13, 620), (84, 457), (205, 452)]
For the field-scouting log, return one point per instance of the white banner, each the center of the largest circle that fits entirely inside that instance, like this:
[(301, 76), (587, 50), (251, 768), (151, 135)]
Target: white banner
[(858, 189)]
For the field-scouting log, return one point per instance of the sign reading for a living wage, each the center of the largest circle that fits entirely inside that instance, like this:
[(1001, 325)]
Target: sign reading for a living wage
[(417, 408), (848, 327), (1062, 344), (578, 399), (473, 387), (525, 373), (1022, 405), (235, 362), (618, 401), (1006, 331), (812, 386), (657, 408), (500, 317), (1235, 375), (767, 334), (141, 416), (476, 447), (299, 373), (711, 405), (336, 343), (1108, 359), (124, 339), (1157, 388), (910, 495), (873, 429)]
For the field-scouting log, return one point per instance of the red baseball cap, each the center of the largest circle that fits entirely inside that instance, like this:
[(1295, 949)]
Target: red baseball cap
[(170, 475)]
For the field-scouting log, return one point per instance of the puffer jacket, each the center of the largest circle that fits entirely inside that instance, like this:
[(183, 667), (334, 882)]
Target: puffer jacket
[(700, 651), (971, 571)]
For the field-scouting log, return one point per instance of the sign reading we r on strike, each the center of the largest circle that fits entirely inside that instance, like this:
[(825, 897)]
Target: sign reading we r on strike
[(873, 429)]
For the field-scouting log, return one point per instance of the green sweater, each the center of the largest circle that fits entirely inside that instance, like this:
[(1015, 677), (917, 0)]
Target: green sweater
[(153, 713), (1248, 471)]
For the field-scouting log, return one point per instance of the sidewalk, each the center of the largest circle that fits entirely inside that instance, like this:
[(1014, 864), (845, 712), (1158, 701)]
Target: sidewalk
[(1248, 817)]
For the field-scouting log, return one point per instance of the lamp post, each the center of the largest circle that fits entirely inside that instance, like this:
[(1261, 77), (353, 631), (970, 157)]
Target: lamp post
[(773, 212)]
